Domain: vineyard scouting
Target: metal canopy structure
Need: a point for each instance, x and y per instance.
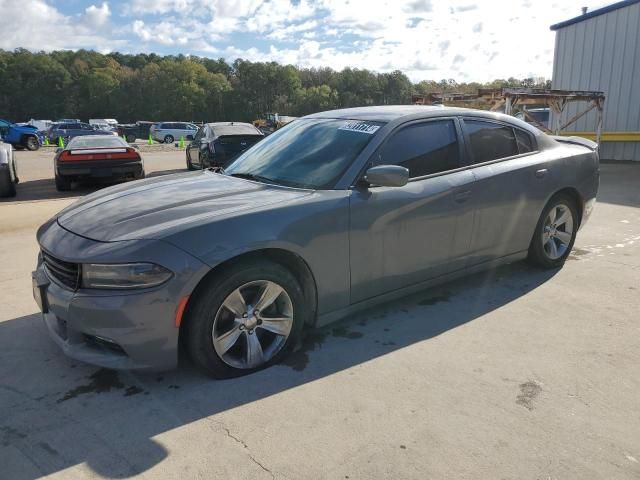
(556, 100)
(508, 98)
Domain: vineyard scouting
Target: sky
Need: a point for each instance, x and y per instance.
(465, 40)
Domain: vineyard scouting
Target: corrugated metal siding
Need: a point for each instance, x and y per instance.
(603, 53)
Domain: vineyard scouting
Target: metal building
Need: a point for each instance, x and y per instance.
(600, 50)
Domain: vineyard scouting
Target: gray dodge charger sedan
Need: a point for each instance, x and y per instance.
(337, 211)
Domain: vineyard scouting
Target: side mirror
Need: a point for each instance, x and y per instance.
(387, 176)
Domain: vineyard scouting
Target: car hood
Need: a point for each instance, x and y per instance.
(26, 128)
(154, 208)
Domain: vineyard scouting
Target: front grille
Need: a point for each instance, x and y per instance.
(66, 273)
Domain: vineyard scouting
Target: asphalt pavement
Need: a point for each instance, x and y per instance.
(513, 374)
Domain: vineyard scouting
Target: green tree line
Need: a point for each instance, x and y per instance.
(87, 84)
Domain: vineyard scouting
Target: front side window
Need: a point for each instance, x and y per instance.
(308, 153)
(423, 148)
(490, 141)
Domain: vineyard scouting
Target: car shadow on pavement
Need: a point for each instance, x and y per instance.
(56, 413)
(45, 189)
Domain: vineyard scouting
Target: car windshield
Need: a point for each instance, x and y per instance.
(96, 141)
(307, 153)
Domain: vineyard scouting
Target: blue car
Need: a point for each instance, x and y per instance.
(20, 136)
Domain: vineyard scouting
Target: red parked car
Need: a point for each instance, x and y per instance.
(96, 157)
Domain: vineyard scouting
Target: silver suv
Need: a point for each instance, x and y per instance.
(167, 132)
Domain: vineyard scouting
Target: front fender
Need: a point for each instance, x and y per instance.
(316, 229)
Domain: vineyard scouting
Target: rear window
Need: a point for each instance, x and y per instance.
(239, 139)
(97, 141)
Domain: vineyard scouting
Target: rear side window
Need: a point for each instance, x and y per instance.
(200, 134)
(490, 141)
(423, 148)
(525, 143)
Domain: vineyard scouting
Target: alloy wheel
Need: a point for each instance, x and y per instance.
(252, 324)
(557, 232)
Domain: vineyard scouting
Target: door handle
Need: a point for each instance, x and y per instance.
(463, 196)
(541, 173)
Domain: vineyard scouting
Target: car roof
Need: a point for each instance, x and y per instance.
(391, 113)
(233, 128)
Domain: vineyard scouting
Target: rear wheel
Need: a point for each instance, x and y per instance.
(189, 164)
(555, 233)
(32, 143)
(7, 187)
(245, 319)
(168, 139)
(131, 138)
(62, 184)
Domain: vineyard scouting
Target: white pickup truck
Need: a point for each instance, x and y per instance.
(8, 171)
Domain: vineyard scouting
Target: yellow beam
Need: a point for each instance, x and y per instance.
(607, 136)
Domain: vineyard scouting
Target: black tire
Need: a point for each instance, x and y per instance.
(168, 139)
(189, 164)
(131, 138)
(7, 187)
(32, 143)
(62, 184)
(538, 255)
(204, 161)
(208, 299)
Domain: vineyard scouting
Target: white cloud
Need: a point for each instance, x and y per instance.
(462, 39)
(98, 16)
(36, 25)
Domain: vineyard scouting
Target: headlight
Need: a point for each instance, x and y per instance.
(123, 276)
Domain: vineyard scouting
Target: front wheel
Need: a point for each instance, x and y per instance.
(245, 319)
(131, 138)
(555, 233)
(32, 144)
(168, 139)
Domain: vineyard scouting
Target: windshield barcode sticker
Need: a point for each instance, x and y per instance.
(360, 127)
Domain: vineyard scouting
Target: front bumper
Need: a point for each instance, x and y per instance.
(132, 329)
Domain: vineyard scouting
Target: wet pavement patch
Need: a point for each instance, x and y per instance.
(10, 435)
(299, 358)
(577, 253)
(342, 332)
(436, 298)
(132, 390)
(101, 381)
(528, 392)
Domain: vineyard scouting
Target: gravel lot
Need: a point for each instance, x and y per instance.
(513, 374)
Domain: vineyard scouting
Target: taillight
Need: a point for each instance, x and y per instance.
(99, 154)
(212, 148)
